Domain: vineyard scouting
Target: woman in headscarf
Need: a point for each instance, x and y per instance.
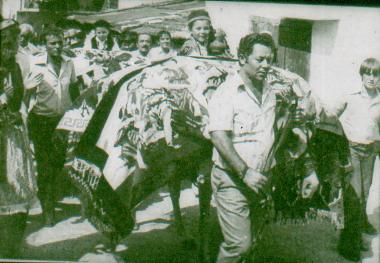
(17, 184)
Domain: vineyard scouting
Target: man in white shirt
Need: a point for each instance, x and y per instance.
(26, 49)
(241, 124)
(144, 45)
(359, 115)
(55, 88)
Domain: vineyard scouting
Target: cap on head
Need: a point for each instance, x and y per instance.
(198, 15)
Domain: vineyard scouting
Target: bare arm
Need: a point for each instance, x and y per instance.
(223, 143)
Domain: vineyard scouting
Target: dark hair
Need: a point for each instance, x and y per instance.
(370, 65)
(102, 23)
(246, 44)
(164, 32)
(68, 23)
(52, 31)
(131, 34)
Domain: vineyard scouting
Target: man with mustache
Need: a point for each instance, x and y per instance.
(241, 124)
(55, 88)
(144, 45)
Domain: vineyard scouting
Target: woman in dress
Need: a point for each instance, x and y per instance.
(17, 184)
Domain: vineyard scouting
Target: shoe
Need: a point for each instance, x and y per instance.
(349, 246)
(369, 229)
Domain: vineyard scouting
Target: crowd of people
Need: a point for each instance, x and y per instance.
(43, 75)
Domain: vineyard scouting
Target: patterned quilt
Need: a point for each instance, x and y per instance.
(114, 122)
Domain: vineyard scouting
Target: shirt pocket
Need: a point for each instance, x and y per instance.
(245, 122)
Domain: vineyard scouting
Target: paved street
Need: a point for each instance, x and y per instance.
(154, 238)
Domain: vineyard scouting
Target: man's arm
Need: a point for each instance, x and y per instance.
(223, 143)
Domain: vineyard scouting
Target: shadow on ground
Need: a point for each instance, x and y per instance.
(315, 241)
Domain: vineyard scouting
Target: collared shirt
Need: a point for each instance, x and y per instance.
(235, 108)
(23, 57)
(29, 49)
(193, 48)
(359, 115)
(92, 42)
(52, 95)
(157, 53)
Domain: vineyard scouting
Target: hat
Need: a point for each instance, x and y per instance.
(198, 15)
(7, 23)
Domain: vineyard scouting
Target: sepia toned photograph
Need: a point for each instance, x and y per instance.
(189, 131)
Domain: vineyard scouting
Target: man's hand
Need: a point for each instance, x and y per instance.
(254, 180)
(310, 185)
(33, 81)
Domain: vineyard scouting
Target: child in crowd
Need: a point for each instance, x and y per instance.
(128, 41)
(359, 115)
(200, 27)
(103, 39)
(219, 46)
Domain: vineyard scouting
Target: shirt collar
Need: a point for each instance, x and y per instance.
(42, 59)
(363, 92)
(245, 85)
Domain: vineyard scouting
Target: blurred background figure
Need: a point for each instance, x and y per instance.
(17, 184)
(199, 24)
(26, 39)
(165, 48)
(219, 46)
(103, 39)
(144, 45)
(73, 34)
(128, 40)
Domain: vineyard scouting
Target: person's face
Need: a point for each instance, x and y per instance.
(257, 64)
(8, 49)
(101, 33)
(144, 43)
(24, 38)
(201, 30)
(165, 41)
(54, 45)
(371, 80)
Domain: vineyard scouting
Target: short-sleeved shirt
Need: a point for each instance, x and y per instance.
(235, 108)
(52, 95)
(360, 117)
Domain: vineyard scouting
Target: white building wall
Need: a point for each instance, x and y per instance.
(9, 8)
(133, 3)
(357, 36)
